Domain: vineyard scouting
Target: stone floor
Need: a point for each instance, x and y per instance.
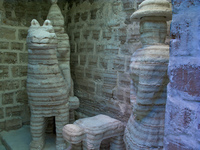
(21, 138)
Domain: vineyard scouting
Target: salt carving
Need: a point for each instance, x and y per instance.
(148, 71)
(46, 86)
(88, 133)
(63, 52)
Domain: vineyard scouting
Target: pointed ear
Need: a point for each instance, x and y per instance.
(47, 23)
(34, 22)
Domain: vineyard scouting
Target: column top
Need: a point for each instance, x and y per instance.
(153, 8)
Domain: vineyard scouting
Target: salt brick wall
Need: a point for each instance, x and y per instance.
(182, 124)
(102, 41)
(15, 17)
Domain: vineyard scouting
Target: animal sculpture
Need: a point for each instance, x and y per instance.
(47, 90)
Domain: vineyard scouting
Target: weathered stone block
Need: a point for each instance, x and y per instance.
(128, 5)
(7, 98)
(124, 80)
(93, 13)
(7, 33)
(76, 36)
(134, 38)
(95, 34)
(22, 97)
(107, 91)
(1, 57)
(1, 87)
(73, 48)
(82, 47)
(23, 83)
(2, 125)
(90, 47)
(23, 57)
(118, 64)
(184, 78)
(110, 78)
(13, 123)
(88, 72)
(13, 111)
(4, 72)
(83, 59)
(107, 34)
(19, 71)
(11, 84)
(120, 94)
(91, 87)
(84, 16)
(76, 18)
(100, 48)
(86, 34)
(98, 76)
(92, 61)
(22, 34)
(79, 73)
(69, 19)
(10, 58)
(111, 49)
(17, 46)
(1, 113)
(128, 62)
(103, 62)
(74, 59)
(4, 45)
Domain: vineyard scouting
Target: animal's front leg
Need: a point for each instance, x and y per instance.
(61, 120)
(38, 132)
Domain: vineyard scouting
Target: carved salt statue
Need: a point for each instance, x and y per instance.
(148, 71)
(45, 84)
(89, 133)
(63, 52)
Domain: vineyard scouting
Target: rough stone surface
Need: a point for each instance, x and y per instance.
(102, 40)
(182, 123)
(47, 90)
(96, 29)
(148, 71)
(93, 130)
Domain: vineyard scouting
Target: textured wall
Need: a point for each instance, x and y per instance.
(14, 17)
(102, 40)
(182, 124)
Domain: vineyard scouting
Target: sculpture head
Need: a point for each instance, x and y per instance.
(41, 36)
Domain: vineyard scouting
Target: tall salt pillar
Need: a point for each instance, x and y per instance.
(148, 71)
(63, 50)
(63, 53)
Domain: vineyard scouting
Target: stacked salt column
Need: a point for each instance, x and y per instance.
(148, 71)
(63, 53)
